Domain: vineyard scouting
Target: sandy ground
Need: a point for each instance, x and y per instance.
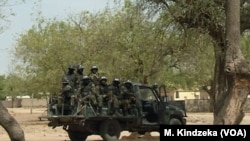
(36, 130)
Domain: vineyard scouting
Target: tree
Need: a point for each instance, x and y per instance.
(10, 125)
(147, 49)
(2, 84)
(236, 69)
(6, 120)
(230, 82)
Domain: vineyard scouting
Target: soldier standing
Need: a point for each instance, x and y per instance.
(79, 74)
(94, 74)
(67, 93)
(71, 76)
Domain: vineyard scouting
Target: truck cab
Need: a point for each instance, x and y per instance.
(157, 109)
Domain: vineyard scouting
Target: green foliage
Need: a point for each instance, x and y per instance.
(245, 42)
(2, 85)
(124, 42)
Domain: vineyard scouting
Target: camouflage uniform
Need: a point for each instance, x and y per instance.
(94, 75)
(116, 95)
(79, 74)
(128, 97)
(104, 94)
(87, 91)
(71, 76)
(67, 99)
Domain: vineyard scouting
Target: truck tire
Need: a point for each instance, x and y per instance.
(175, 121)
(110, 130)
(77, 136)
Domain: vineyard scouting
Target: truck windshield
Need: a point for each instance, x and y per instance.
(147, 94)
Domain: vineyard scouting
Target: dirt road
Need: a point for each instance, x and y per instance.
(36, 130)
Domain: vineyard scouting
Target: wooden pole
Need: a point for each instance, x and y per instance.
(31, 107)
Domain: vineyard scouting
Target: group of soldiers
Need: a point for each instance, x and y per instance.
(79, 89)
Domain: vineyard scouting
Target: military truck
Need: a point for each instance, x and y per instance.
(154, 111)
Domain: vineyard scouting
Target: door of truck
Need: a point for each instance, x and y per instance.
(149, 104)
(162, 93)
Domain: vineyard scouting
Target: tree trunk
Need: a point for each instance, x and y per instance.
(11, 126)
(232, 84)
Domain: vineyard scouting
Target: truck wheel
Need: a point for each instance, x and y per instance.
(77, 136)
(175, 121)
(110, 130)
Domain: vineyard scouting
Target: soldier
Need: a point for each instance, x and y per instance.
(67, 93)
(71, 76)
(116, 96)
(94, 75)
(87, 92)
(79, 74)
(104, 94)
(128, 99)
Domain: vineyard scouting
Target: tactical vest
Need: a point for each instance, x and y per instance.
(116, 90)
(86, 90)
(103, 89)
(94, 78)
(67, 91)
(72, 79)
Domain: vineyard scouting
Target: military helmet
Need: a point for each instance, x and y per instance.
(94, 67)
(72, 67)
(85, 77)
(103, 78)
(116, 80)
(128, 82)
(79, 67)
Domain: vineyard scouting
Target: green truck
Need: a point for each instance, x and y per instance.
(153, 105)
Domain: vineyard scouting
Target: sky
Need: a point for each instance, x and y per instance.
(24, 19)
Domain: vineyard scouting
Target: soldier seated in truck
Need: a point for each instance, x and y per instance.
(66, 98)
(128, 102)
(115, 87)
(86, 94)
